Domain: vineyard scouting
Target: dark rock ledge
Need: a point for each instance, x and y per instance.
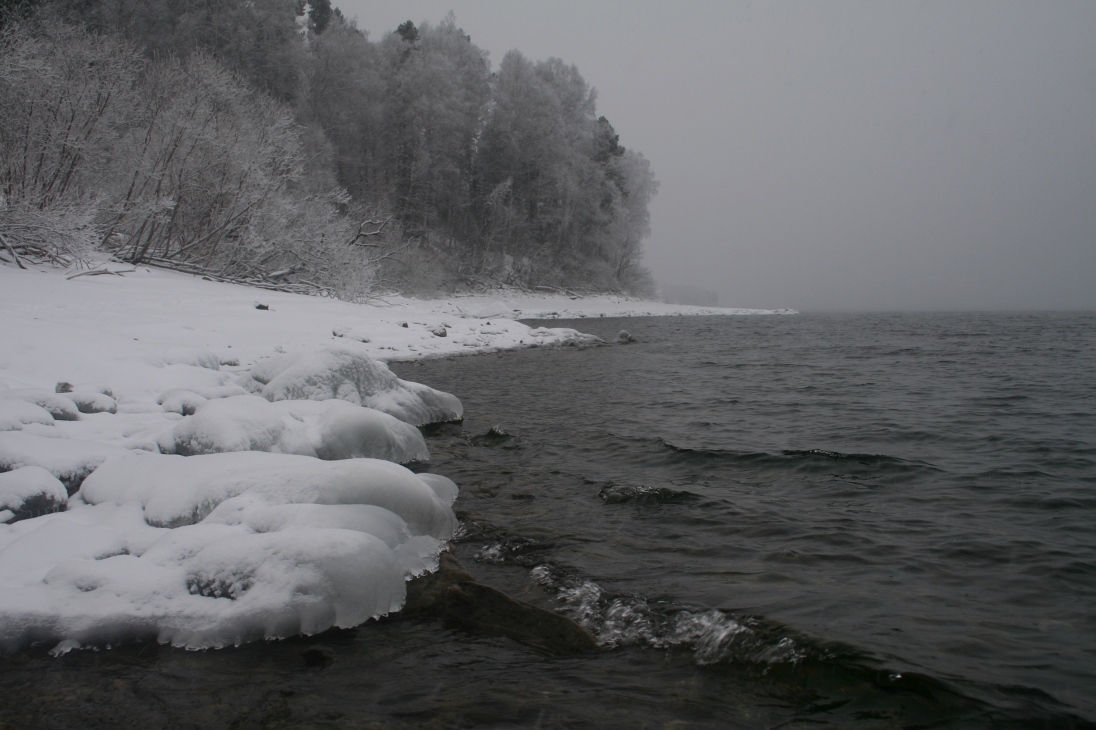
(452, 594)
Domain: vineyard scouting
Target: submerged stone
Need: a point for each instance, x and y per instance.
(453, 595)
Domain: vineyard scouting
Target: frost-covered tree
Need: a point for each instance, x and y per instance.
(437, 89)
(237, 110)
(64, 93)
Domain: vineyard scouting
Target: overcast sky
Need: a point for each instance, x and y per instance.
(837, 155)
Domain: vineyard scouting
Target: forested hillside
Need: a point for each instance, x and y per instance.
(275, 142)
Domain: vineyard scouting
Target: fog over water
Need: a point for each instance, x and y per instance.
(838, 155)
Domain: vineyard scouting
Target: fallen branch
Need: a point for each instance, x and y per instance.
(98, 272)
(568, 292)
(11, 250)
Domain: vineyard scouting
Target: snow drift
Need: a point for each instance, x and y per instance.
(351, 375)
(213, 550)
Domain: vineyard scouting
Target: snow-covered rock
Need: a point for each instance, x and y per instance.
(69, 460)
(342, 430)
(30, 491)
(61, 407)
(176, 490)
(207, 551)
(330, 430)
(90, 401)
(240, 423)
(14, 414)
(348, 374)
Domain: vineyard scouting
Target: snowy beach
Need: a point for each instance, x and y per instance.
(207, 464)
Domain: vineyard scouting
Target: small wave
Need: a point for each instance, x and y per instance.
(705, 453)
(797, 458)
(613, 493)
(881, 459)
(714, 636)
(517, 550)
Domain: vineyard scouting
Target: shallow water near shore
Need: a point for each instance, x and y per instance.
(838, 520)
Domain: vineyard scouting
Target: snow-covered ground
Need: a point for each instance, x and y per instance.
(206, 464)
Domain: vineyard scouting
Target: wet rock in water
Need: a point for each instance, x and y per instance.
(625, 338)
(495, 436)
(318, 656)
(453, 595)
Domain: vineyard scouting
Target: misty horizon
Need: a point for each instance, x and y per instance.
(838, 156)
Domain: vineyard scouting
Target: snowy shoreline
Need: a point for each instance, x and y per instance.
(206, 463)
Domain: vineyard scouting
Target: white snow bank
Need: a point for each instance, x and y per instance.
(350, 375)
(332, 429)
(176, 490)
(224, 546)
(341, 430)
(506, 303)
(207, 551)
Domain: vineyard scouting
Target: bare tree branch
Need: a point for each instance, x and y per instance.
(366, 234)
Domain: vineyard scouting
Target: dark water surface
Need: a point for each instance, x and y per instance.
(840, 521)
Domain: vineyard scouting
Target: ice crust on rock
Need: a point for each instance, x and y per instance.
(342, 430)
(208, 551)
(240, 423)
(329, 430)
(351, 375)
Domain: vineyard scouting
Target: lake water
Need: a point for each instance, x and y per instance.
(795, 496)
(864, 521)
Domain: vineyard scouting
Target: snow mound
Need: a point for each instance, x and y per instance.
(175, 490)
(350, 375)
(187, 400)
(329, 430)
(181, 401)
(342, 430)
(241, 423)
(69, 460)
(189, 356)
(30, 491)
(59, 406)
(93, 402)
(208, 551)
(14, 414)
